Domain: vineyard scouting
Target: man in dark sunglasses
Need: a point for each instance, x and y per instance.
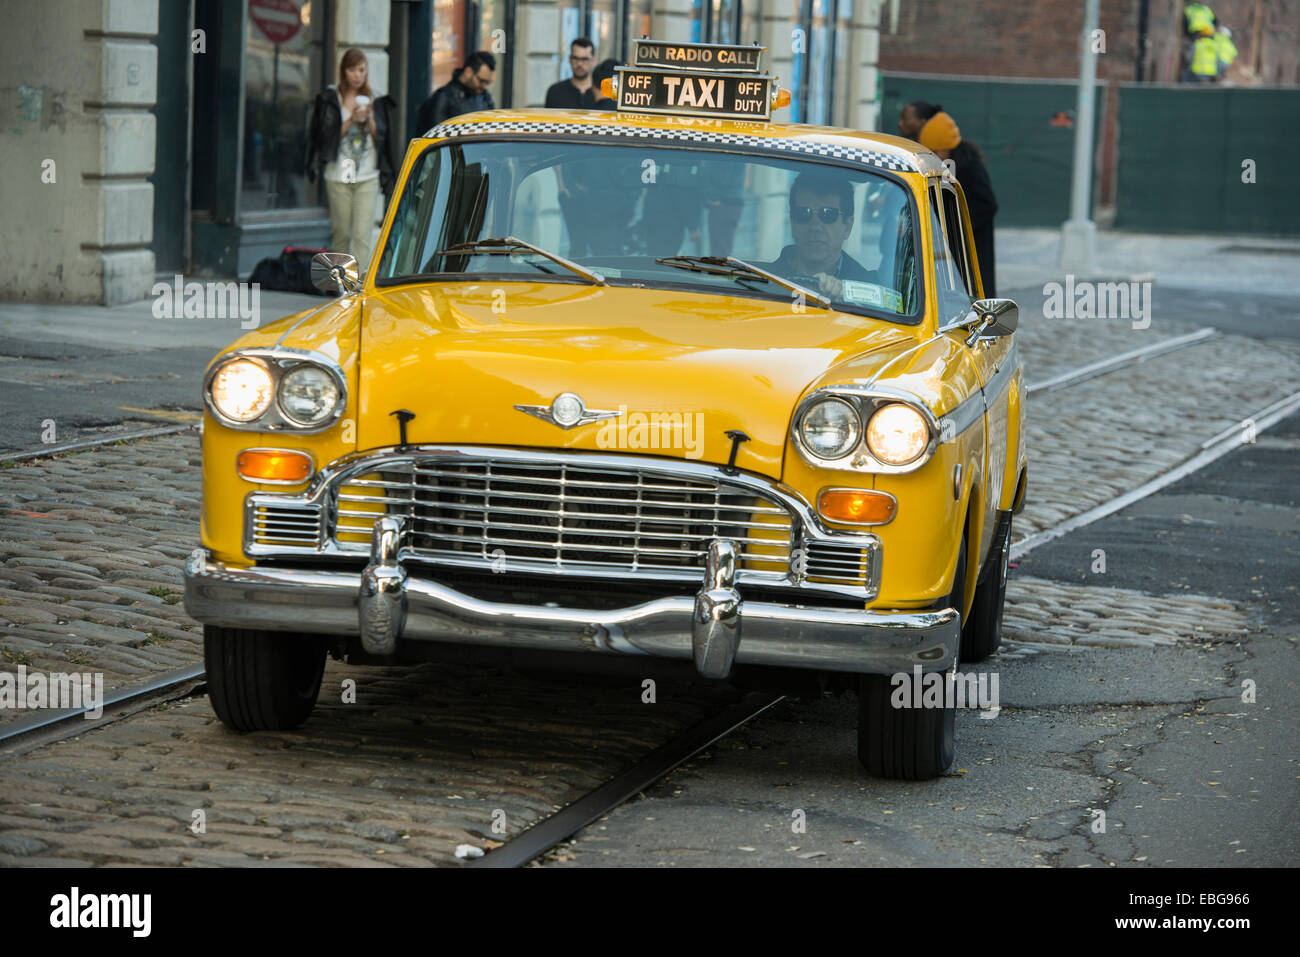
(821, 219)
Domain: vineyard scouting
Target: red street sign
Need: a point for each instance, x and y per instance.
(279, 20)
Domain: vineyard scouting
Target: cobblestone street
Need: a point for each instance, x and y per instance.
(91, 548)
(90, 566)
(426, 760)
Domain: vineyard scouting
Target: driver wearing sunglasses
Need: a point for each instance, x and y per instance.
(821, 218)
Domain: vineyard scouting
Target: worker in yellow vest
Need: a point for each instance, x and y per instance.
(1200, 50)
(1225, 49)
(1198, 20)
(1205, 60)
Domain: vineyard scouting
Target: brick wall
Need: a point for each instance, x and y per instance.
(1034, 38)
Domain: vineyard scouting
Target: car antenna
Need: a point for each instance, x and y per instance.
(403, 416)
(736, 437)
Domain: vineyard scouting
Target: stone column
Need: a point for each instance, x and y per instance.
(776, 31)
(78, 144)
(364, 24)
(863, 75)
(671, 20)
(537, 53)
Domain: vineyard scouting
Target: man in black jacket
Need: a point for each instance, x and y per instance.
(467, 92)
(934, 129)
(578, 92)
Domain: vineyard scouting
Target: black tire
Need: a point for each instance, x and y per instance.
(262, 680)
(981, 632)
(911, 744)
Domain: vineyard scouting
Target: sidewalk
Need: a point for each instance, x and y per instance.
(73, 373)
(1263, 265)
(45, 331)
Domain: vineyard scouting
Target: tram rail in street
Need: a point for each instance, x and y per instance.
(548, 833)
(59, 724)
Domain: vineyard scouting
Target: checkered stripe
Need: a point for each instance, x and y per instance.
(811, 147)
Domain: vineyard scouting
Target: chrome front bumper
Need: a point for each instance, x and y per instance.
(384, 605)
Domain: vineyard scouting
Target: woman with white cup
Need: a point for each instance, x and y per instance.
(350, 144)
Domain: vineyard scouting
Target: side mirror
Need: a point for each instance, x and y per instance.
(334, 271)
(991, 319)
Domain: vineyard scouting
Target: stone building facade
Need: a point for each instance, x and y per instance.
(144, 138)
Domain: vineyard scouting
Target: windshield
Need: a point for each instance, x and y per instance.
(844, 234)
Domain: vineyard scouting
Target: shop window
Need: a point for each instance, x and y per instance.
(601, 21)
(448, 40)
(494, 16)
(284, 70)
(638, 25)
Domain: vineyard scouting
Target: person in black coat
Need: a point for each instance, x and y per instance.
(581, 91)
(467, 92)
(324, 133)
(352, 149)
(934, 129)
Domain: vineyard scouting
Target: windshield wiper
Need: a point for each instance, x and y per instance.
(731, 266)
(510, 244)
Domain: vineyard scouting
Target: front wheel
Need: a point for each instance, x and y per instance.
(911, 743)
(981, 632)
(262, 680)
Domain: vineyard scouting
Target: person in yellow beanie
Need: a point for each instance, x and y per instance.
(934, 129)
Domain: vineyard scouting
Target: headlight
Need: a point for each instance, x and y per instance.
(242, 390)
(830, 428)
(897, 434)
(308, 395)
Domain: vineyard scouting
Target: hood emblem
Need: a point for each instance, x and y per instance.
(567, 411)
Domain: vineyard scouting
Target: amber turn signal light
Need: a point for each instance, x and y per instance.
(274, 465)
(782, 98)
(856, 506)
(607, 88)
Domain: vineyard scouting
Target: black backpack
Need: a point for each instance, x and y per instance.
(289, 272)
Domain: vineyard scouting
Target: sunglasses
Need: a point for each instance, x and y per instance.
(802, 215)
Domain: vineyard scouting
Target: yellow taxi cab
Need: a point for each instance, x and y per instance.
(673, 380)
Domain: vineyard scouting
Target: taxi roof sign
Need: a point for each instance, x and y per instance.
(697, 56)
(696, 79)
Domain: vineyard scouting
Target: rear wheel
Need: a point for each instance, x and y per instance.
(914, 743)
(981, 631)
(262, 680)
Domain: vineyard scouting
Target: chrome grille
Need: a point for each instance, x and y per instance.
(831, 562)
(563, 517)
(285, 525)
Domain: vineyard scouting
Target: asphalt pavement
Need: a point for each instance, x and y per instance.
(96, 371)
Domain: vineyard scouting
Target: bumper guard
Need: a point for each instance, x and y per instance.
(717, 628)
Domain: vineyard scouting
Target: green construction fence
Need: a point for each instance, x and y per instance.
(1184, 152)
(1024, 127)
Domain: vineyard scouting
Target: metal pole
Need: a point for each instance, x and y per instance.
(275, 128)
(1144, 10)
(1079, 232)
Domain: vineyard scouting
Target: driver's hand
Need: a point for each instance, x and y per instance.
(829, 285)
